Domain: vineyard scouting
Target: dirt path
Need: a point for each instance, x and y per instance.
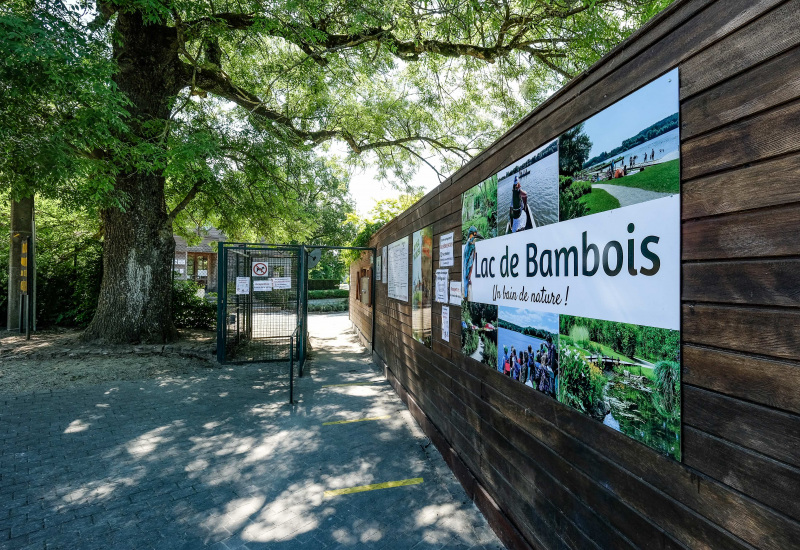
(629, 195)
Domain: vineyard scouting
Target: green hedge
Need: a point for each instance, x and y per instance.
(336, 307)
(334, 293)
(323, 284)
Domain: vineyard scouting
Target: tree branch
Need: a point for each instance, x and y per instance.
(185, 201)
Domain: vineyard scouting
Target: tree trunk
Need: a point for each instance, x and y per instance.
(135, 303)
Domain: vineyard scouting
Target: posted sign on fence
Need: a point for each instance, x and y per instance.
(571, 267)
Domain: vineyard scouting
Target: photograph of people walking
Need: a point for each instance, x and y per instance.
(527, 343)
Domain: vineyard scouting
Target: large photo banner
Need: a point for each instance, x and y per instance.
(571, 268)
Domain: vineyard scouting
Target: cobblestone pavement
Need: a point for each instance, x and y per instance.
(220, 460)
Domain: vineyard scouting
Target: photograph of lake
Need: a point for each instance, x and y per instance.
(626, 154)
(535, 202)
(626, 376)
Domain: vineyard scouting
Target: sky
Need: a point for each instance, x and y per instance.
(528, 318)
(626, 118)
(366, 189)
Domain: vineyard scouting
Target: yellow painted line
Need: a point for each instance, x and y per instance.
(356, 420)
(374, 486)
(353, 384)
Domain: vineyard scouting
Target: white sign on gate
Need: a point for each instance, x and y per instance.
(242, 285)
(282, 283)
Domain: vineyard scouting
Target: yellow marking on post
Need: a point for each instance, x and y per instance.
(352, 384)
(374, 486)
(356, 420)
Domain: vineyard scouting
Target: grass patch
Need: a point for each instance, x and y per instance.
(599, 201)
(663, 178)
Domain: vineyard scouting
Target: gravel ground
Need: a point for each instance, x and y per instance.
(53, 360)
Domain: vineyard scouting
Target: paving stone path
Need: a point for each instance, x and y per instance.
(221, 460)
(629, 195)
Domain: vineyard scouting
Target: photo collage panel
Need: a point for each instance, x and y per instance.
(626, 376)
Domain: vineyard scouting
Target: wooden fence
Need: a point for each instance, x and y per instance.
(550, 477)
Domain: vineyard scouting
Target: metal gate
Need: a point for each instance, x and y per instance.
(261, 295)
(262, 305)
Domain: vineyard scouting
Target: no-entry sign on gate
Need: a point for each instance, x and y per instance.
(260, 269)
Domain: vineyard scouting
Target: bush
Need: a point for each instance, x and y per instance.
(667, 398)
(581, 383)
(469, 341)
(490, 353)
(579, 335)
(332, 293)
(188, 309)
(323, 284)
(328, 308)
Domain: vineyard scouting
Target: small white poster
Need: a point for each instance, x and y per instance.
(441, 285)
(398, 272)
(202, 273)
(378, 267)
(242, 285)
(385, 266)
(282, 283)
(260, 268)
(262, 285)
(180, 261)
(446, 250)
(455, 293)
(446, 323)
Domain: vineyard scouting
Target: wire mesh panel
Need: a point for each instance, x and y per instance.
(260, 299)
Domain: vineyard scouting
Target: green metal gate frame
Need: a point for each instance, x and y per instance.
(297, 340)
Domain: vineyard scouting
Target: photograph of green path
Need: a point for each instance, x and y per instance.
(626, 376)
(479, 331)
(627, 154)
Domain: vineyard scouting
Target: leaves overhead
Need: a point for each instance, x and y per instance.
(270, 90)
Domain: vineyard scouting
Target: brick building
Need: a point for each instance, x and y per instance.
(198, 263)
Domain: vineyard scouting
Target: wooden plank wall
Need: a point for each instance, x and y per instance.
(360, 314)
(551, 477)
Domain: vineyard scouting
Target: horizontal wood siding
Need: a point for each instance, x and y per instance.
(550, 477)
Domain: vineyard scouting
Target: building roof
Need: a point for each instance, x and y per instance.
(208, 236)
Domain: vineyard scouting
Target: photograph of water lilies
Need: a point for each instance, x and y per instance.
(624, 375)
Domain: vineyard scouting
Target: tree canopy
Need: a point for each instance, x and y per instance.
(169, 114)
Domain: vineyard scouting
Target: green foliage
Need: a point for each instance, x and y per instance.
(58, 105)
(337, 307)
(579, 335)
(382, 213)
(650, 343)
(479, 209)
(573, 149)
(190, 310)
(469, 342)
(651, 132)
(570, 192)
(580, 383)
(489, 352)
(667, 399)
(323, 284)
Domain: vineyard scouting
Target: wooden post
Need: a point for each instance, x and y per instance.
(21, 231)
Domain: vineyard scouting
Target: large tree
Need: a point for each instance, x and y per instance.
(220, 105)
